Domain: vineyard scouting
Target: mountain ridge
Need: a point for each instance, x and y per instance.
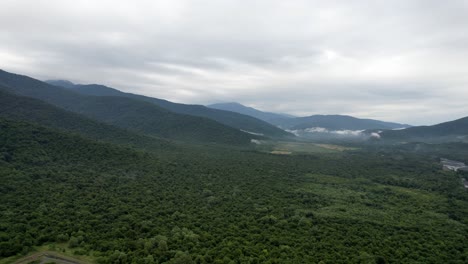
(335, 122)
(332, 122)
(453, 130)
(37, 112)
(139, 116)
(235, 120)
(242, 109)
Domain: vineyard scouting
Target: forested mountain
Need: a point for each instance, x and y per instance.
(242, 109)
(456, 130)
(236, 120)
(71, 184)
(334, 122)
(144, 174)
(126, 113)
(35, 111)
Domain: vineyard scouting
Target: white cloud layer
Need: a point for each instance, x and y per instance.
(401, 60)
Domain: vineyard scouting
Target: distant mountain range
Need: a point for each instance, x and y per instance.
(334, 122)
(242, 109)
(315, 123)
(107, 114)
(126, 113)
(232, 119)
(237, 115)
(456, 130)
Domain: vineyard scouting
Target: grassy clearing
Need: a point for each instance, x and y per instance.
(364, 200)
(281, 152)
(334, 147)
(289, 147)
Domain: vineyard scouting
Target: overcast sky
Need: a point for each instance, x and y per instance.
(404, 61)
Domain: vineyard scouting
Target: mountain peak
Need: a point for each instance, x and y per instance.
(61, 83)
(230, 103)
(245, 110)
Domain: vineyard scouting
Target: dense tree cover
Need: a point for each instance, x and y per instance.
(218, 205)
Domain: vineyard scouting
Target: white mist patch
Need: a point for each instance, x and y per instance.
(295, 132)
(255, 141)
(316, 130)
(252, 133)
(345, 132)
(375, 135)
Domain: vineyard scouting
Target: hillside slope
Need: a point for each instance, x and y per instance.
(250, 111)
(126, 113)
(116, 205)
(455, 130)
(38, 112)
(236, 120)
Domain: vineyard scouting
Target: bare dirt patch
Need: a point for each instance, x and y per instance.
(48, 257)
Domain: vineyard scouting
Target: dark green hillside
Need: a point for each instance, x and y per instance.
(149, 119)
(228, 118)
(456, 130)
(127, 113)
(35, 111)
(215, 205)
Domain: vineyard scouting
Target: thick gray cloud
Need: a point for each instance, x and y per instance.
(401, 60)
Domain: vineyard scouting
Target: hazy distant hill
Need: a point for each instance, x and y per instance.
(235, 120)
(242, 109)
(456, 130)
(61, 83)
(334, 122)
(126, 113)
